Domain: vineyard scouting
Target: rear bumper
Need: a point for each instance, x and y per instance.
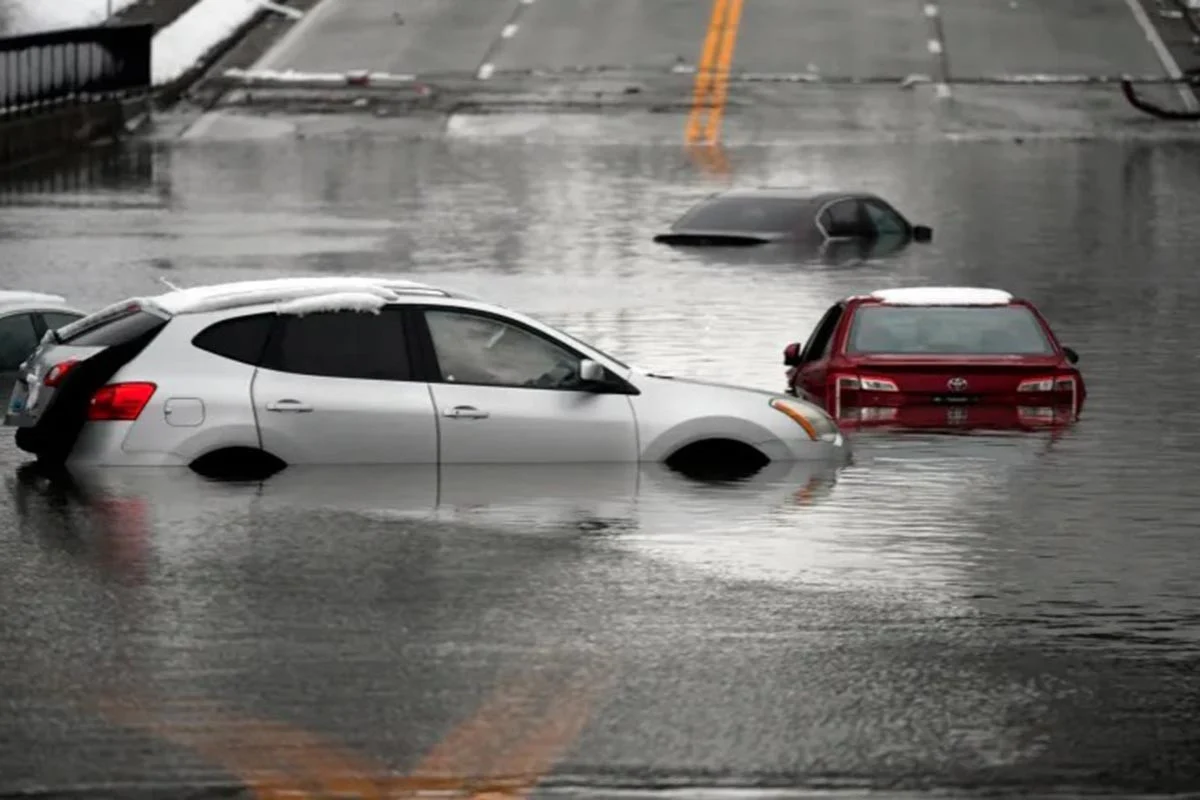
(100, 444)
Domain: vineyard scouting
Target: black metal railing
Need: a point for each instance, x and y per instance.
(79, 65)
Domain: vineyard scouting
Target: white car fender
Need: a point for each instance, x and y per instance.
(658, 444)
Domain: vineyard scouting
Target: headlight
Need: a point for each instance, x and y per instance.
(819, 426)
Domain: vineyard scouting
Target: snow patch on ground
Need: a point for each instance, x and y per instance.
(179, 46)
(32, 16)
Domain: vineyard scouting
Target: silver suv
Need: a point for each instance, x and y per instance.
(373, 371)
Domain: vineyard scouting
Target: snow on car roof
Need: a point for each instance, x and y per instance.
(280, 290)
(9, 297)
(943, 296)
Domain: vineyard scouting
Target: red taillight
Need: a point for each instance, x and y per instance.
(1053, 383)
(120, 402)
(58, 372)
(866, 383)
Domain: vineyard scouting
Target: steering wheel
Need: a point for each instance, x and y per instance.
(554, 378)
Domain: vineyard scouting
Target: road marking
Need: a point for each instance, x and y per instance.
(487, 67)
(937, 48)
(1164, 55)
(711, 87)
(291, 40)
(503, 750)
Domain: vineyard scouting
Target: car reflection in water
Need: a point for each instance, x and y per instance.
(115, 518)
(959, 418)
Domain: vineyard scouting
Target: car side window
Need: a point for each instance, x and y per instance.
(18, 338)
(57, 319)
(842, 219)
(242, 339)
(818, 345)
(482, 350)
(342, 344)
(885, 220)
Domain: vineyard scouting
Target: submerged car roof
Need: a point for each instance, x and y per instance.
(14, 299)
(786, 193)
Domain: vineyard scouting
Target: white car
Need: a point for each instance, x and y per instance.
(24, 319)
(262, 374)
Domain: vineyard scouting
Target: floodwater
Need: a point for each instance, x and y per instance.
(1008, 610)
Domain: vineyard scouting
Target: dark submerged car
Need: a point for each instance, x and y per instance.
(749, 217)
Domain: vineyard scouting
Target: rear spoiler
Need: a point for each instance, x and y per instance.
(104, 316)
(108, 314)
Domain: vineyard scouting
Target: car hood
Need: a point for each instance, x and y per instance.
(651, 375)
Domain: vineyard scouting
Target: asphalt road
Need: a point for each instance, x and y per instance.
(964, 613)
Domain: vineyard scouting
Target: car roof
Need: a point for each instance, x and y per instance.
(793, 193)
(13, 300)
(939, 296)
(310, 290)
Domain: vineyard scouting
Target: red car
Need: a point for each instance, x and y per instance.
(937, 356)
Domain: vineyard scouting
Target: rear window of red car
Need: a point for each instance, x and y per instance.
(947, 330)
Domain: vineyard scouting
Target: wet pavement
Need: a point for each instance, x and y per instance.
(964, 612)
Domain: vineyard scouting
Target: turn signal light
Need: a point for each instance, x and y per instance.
(120, 402)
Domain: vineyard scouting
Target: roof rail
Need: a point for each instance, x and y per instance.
(219, 297)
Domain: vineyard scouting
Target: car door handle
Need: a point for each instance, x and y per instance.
(465, 412)
(294, 406)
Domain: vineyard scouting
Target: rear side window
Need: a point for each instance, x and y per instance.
(242, 339)
(18, 339)
(342, 344)
(56, 319)
(118, 330)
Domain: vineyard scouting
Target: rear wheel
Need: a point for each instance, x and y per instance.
(237, 464)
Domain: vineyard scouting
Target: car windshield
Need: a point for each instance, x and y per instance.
(750, 214)
(947, 330)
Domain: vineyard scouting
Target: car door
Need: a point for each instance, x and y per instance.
(337, 388)
(506, 393)
(813, 371)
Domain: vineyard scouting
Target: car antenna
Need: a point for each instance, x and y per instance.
(168, 284)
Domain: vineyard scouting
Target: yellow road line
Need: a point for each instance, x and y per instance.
(711, 87)
(702, 86)
(712, 132)
(504, 749)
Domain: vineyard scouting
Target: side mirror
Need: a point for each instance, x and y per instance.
(1071, 355)
(791, 354)
(922, 233)
(591, 371)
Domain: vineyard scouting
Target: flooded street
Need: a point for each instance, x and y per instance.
(961, 612)
(947, 610)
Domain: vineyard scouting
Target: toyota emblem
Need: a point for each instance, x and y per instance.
(957, 384)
